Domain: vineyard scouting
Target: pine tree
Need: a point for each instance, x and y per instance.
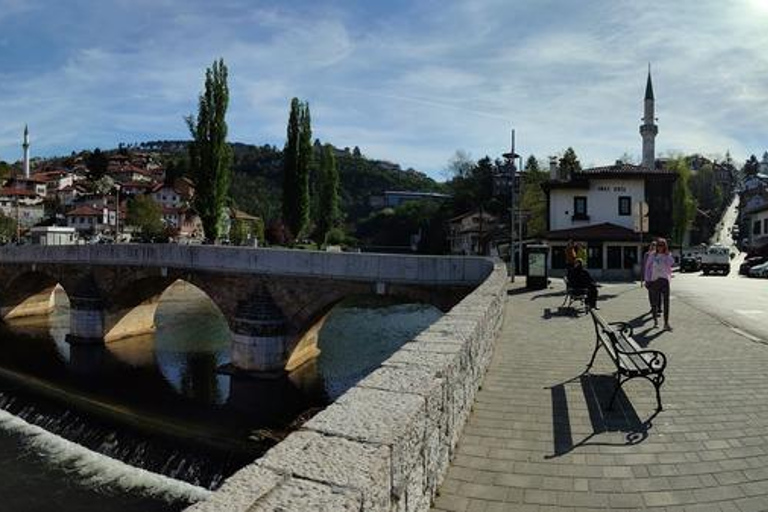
(329, 216)
(210, 157)
(569, 164)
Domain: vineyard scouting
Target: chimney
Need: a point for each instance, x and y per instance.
(553, 170)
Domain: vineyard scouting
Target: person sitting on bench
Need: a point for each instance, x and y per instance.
(580, 278)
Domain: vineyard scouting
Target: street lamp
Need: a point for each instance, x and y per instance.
(510, 157)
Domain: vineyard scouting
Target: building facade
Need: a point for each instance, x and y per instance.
(613, 211)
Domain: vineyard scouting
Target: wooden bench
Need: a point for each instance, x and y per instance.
(574, 295)
(630, 359)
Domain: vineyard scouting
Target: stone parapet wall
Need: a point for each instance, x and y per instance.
(409, 269)
(385, 445)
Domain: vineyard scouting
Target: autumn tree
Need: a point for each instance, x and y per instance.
(146, 215)
(683, 203)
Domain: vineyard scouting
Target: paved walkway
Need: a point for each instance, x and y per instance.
(538, 439)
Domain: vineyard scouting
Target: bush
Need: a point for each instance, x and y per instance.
(335, 236)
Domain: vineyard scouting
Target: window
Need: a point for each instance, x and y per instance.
(630, 257)
(625, 205)
(558, 256)
(756, 228)
(614, 257)
(580, 208)
(595, 256)
(765, 226)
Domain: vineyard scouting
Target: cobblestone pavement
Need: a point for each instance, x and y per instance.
(539, 440)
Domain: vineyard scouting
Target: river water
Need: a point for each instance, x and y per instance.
(151, 423)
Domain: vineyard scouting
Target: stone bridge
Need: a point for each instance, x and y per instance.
(275, 301)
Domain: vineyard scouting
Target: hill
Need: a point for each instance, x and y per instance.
(257, 177)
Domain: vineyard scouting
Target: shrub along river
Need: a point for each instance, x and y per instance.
(151, 423)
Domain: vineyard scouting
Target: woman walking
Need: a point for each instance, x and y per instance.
(658, 273)
(645, 278)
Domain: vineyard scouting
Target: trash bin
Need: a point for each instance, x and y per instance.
(537, 276)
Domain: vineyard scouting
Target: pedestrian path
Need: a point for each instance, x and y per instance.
(539, 439)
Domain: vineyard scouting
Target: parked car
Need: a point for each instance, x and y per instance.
(759, 270)
(751, 262)
(690, 263)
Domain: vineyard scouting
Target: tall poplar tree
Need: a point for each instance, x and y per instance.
(329, 214)
(297, 158)
(210, 157)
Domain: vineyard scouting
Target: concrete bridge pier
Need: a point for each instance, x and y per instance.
(86, 320)
(259, 335)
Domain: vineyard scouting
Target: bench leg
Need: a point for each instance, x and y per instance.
(658, 380)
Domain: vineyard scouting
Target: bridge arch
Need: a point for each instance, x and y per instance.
(28, 293)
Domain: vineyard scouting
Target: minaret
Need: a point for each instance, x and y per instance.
(25, 145)
(648, 129)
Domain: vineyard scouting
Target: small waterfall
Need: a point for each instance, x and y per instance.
(103, 455)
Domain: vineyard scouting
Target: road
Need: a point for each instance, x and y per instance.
(738, 301)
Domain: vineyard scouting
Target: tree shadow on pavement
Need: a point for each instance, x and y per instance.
(597, 391)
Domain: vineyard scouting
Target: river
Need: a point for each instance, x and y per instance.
(151, 423)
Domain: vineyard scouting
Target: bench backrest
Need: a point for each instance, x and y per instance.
(621, 349)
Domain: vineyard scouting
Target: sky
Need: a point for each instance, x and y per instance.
(412, 82)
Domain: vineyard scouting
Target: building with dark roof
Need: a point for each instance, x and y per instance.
(612, 210)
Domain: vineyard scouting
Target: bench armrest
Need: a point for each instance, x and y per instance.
(656, 360)
(624, 328)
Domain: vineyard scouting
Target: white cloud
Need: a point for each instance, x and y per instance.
(410, 86)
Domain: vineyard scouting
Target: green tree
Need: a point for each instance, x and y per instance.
(569, 164)
(5, 171)
(210, 157)
(683, 203)
(146, 215)
(329, 214)
(751, 166)
(709, 199)
(7, 228)
(97, 165)
(297, 158)
(534, 200)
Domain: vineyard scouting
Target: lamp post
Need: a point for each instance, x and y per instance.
(510, 157)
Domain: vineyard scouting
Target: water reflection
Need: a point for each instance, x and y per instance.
(167, 388)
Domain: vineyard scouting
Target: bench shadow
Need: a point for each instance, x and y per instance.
(597, 391)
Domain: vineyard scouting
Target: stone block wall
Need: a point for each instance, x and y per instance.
(385, 445)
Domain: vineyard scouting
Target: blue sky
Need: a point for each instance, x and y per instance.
(406, 81)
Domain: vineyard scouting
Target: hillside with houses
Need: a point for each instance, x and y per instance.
(142, 192)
